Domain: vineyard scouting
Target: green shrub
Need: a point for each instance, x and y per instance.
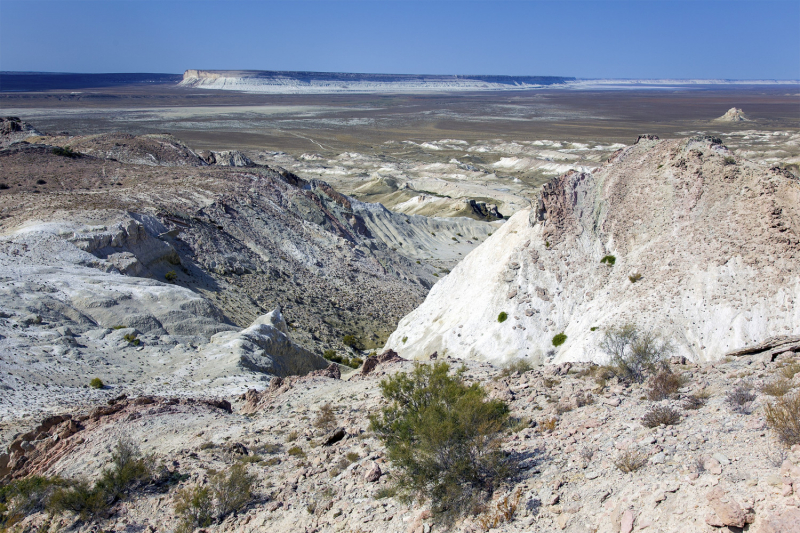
(351, 341)
(609, 260)
(66, 152)
(634, 354)
(405, 339)
(24, 497)
(730, 160)
(444, 437)
(128, 471)
(559, 339)
(352, 457)
(296, 451)
(96, 383)
(193, 506)
(593, 328)
(131, 338)
(232, 489)
(171, 276)
(502, 317)
(635, 277)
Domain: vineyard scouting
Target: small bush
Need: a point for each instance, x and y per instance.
(783, 416)
(193, 506)
(729, 160)
(351, 341)
(559, 339)
(128, 471)
(207, 445)
(634, 354)
(326, 419)
(232, 489)
(664, 384)
(740, 399)
(66, 152)
(518, 365)
(660, 415)
(502, 317)
(171, 276)
(777, 388)
(352, 457)
(96, 383)
(693, 402)
(635, 277)
(405, 339)
(630, 461)
(609, 260)
(292, 436)
(24, 497)
(131, 338)
(444, 438)
(296, 451)
(385, 492)
(593, 328)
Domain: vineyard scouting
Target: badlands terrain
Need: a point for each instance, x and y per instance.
(222, 280)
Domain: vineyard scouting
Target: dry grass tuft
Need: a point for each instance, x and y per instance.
(664, 384)
(776, 388)
(661, 416)
(630, 461)
(783, 416)
(503, 511)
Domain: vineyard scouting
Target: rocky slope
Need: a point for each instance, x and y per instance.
(148, 241)
(717, 468)
(705, 250)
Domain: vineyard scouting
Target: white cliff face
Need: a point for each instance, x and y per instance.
(714, 241)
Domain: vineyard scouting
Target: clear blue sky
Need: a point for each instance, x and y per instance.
(590, 39)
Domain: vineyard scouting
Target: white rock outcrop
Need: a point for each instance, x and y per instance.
(713, 241)
(265, 346)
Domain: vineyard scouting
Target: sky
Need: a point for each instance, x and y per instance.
(728, 39)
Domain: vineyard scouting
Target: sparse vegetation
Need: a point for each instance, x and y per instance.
(503, 511)
(296, 451)
(128, 471)
(777, 388)
(326, 418)
(171, 276)
(66, 152)
(444, 438)
(292, 436)
(740, 399)
(132, 338)
(227, 492)
(351, 341)
(96, 383)
(660, 416)
(548, 424)
(630, 461)
(23, 497)
(634, 354)
(502, 317)
(517, 365)
(559, 339)
(635, 277)
(789, 370)
(783, 417)
(694, 402)
(352, 362)
(664, 384)
(729, 160)
(404, 340)
(609, 260)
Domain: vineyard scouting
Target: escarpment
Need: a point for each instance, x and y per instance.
(677, 236)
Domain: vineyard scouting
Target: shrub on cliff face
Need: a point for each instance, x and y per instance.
(444, 438)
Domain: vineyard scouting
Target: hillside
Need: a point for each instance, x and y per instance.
(705, 251)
